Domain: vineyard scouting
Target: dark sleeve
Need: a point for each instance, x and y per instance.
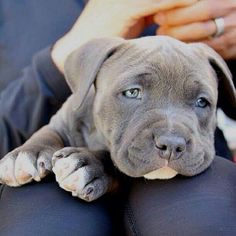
(29, 101)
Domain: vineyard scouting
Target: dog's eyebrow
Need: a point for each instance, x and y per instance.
(141, 78)
(136, 74)
(193, 88)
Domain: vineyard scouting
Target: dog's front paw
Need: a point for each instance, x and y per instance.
(78, 171)
(25, 164)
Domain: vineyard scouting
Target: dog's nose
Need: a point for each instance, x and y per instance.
(170, 147)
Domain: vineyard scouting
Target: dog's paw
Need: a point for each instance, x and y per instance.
(78, 171)
(23, 165)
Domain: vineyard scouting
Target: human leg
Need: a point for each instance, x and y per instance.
(44, 209)
(201, 205)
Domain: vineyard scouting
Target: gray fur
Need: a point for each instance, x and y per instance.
(171, 75)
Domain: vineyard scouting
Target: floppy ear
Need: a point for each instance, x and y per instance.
(226, 89)
(83, 65)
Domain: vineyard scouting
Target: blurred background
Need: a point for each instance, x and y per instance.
(228, 126)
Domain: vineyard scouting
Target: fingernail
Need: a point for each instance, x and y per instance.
(159, 18)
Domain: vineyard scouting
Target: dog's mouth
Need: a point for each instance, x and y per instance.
(153, 166)
(171, 168)
(158, 150)
(164, 172)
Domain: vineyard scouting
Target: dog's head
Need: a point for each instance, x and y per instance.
(155, 101)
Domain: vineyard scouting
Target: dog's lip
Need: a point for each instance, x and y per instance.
(164, 172)
(160, 166)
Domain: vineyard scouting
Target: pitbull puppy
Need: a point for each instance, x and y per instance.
(149, 102)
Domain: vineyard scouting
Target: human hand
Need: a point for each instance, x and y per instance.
(196, 23)
(110, 18)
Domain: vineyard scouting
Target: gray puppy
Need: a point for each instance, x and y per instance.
(149, 102)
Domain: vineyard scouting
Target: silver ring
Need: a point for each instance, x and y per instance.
(220, 27)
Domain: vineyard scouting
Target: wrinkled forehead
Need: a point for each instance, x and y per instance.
(163, 59)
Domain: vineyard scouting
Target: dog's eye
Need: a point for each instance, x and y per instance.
(132, 93)
(202, 103)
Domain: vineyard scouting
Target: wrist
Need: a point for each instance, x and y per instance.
(73, 40)
(91, 24)
(60, 51)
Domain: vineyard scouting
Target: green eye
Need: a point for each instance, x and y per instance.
(134, 93)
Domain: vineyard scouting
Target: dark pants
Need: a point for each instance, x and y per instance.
(201, 205)
(43, 209)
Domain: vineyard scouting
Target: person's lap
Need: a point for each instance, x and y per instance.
(202, 205)
(44, 209)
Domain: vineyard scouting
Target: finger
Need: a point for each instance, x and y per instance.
(230, 22)
(200, 30)
(153, 6)
(200, 11)
(222, 42)
(229, 54)
(224, 45)
(170, 4)
(217, 44)
(191, 32)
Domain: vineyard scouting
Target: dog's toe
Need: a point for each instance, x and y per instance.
(22, 166)
(95, 189)
(78, 171)
(7, 175)
(25, 169)
(64, 167)
(63, 153)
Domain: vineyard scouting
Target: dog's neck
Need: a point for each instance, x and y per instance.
(93, 139)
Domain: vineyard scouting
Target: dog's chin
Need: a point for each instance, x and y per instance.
(195, 165)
